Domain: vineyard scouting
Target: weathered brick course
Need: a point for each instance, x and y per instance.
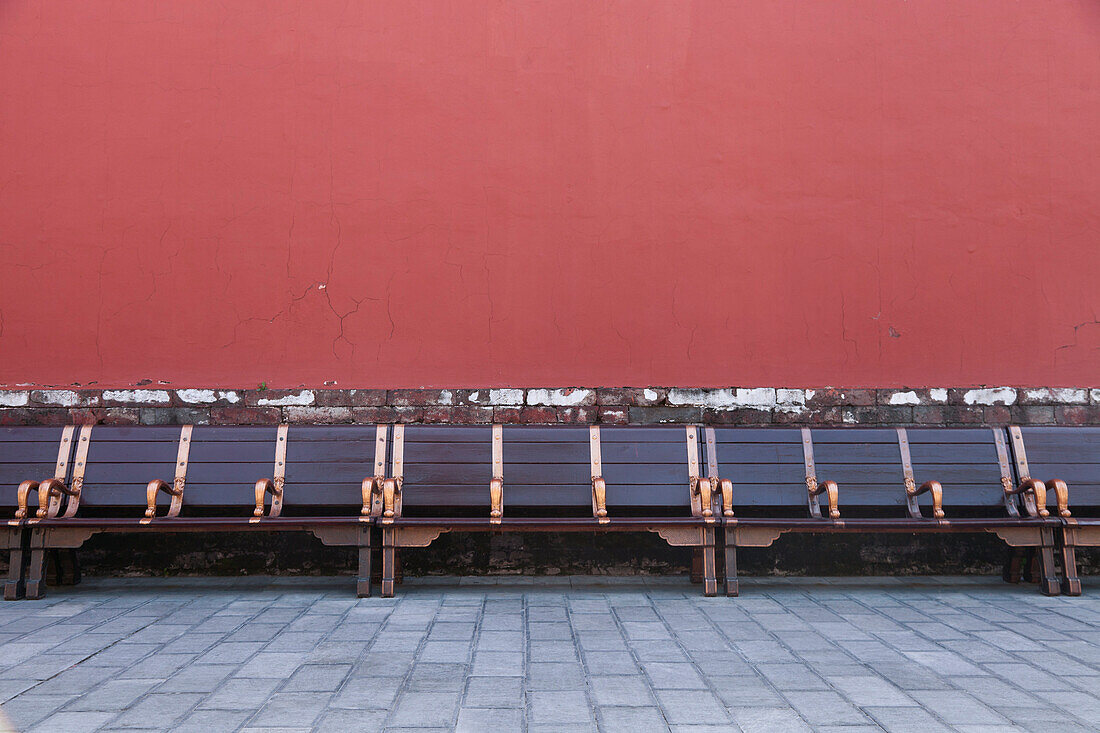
(997, 405)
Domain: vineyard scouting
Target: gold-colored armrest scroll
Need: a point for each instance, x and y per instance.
(1061, 495)
(599, 486)
(274, 485)
(372, 485)
(935, 488)
(831, 490)
(496, 484)
(175, 489)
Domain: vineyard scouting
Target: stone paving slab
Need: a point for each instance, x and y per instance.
(551, 654)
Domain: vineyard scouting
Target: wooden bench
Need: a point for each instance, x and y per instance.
(1067, 462)
(872, 480)
(546, 479)
(189, 479)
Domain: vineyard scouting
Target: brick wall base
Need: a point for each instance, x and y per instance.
(148, 405)
(472, 554)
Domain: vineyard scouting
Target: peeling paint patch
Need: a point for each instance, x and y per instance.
(757, 398)
(939, 395)
(136, 395)
(305, 397)
(990, 396)
(474, 396)
(1065, 396)
(1094, 395)
(61, 397)
(197, 396)
(560, 397)
(651, 394)
(445, 397)
(14, 399)
(790, 397)
(506, 397)
(904, 398)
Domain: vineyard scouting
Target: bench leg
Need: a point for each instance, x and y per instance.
(388, 560)
(362, 585)
(710, 582)
(731, 566)
(1048, 581)
(1014, 564)
(1071, 583)
(68, 566)
(15, 587)
(696, 565)
(36, 584)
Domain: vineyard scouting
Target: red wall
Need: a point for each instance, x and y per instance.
(474, 193)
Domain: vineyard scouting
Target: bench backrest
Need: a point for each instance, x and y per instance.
(767, 466)
(325, 465)
(1069, 454)
(545, 466)
(30, 454)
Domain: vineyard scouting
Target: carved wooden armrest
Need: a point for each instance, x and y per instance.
(263, 487)
(701, 487)
(599, 499)
(391, 498)
(372, 490)
(50, 492)
(1061, 494)
(1034, 493)
(935, 488)
(726, 487)
(174, 490)
(831, 491)
(496, 500)
(23, 496)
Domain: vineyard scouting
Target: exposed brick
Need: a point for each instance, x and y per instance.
(121, 416)
(173, 416)
(374, 415)
(460, 415)
(1033, 414)
(831, 396)
(245, 415)
(408, 414)
(967, 414)
(631, 396)
(992, 414)
(1077, 415)
(884, 415)
(349, 397)
(537, 415)
(646, 415)
(583, 415)
(33, 416)
(736, 417)
(930, 414)
(420, 397)
(614, 415)
(318, 415)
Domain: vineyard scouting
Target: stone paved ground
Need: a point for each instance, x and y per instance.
(552, 654)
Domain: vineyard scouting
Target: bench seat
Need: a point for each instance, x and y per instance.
(830, 480)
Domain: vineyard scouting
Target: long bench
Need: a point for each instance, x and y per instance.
(547, 479)
(693, 486)
(872, 480)
(1067, 461)
(152, 480)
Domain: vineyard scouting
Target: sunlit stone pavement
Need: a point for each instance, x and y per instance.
(552, 654)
